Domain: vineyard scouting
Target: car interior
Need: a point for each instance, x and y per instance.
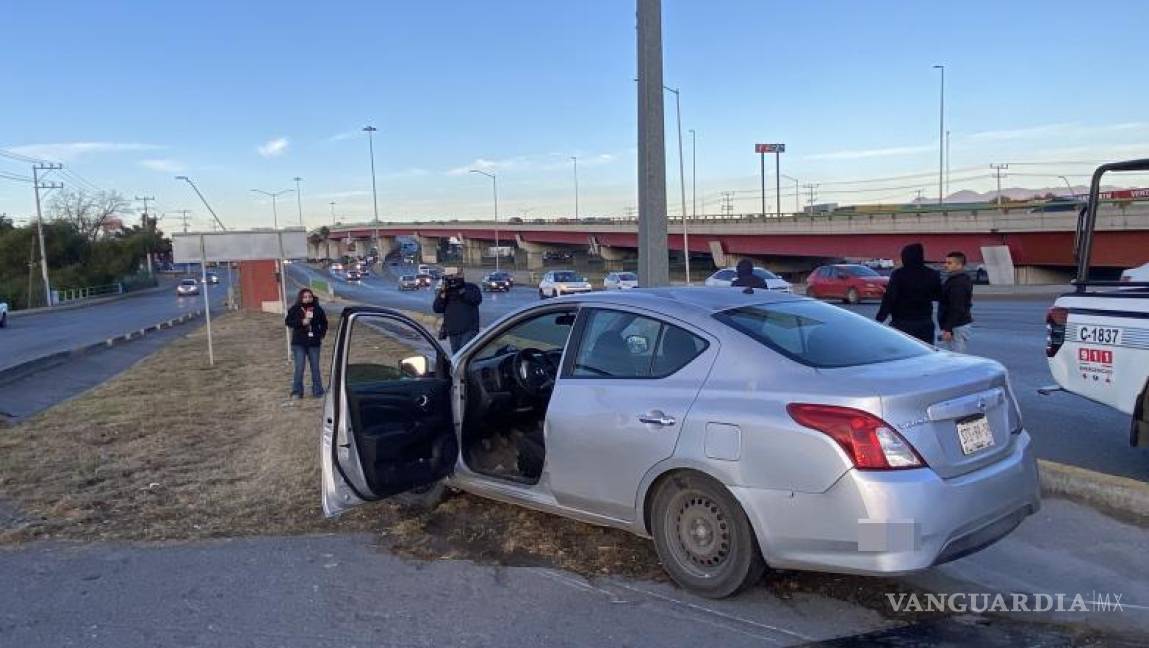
(508, 385)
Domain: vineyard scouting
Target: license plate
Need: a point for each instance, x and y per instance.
(1099, 334)
(974, 434)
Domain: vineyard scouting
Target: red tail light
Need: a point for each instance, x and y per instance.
(870, 442)
(1055, 320)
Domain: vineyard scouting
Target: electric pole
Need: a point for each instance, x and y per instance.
(299, 198)
(998, 168)
(811, 188)
(37, 185)
(147, 229)
(653, 263)
(183, 216)
(332, 203)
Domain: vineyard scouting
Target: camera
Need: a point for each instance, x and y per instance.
(453, 282)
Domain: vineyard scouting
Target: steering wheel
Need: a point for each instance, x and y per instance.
(534, 371)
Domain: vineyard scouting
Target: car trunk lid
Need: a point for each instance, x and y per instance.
(927, 398)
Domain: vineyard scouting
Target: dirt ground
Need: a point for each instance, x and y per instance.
(175, 450)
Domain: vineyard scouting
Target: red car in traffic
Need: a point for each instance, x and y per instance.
(849, 282)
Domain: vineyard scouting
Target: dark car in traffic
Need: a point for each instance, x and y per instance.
(498, 282)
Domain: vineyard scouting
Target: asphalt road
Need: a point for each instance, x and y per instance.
(1066, 428)
(346, 590)
(32, 336)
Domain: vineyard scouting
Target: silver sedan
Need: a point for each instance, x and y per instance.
(737, 430)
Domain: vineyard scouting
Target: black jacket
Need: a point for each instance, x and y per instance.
(956, 301)
(460, 308)
(912, 289)
(746, 277)
(299, 332)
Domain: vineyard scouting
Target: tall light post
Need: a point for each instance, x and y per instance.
(217, 222)
(574, 158)
(693, 174)
(797, 194)
(279, 262)
(332, 203)
(273, 196)
(495, 189)
(299, 198)
(370, 130)
(941, 134)
(681, 180)
(1069, 186)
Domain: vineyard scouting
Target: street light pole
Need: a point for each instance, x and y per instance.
(682, 181)
(273, 196)
(693, 174)
(797, 194)
(279, 266)
(370, 130)
(299, 199)
(1069, 186)
(575, 160)
(332, 203)
(495, 190)
(941, 134)
(204, 201)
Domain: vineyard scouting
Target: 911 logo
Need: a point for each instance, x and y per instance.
(1100, 356)
(1095, 365)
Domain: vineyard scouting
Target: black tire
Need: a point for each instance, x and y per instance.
(4, 320)
(541, 295)
(717, 555)
(852, 296)
(424, 498)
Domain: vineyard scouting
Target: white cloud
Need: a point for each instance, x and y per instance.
(356, 193)
(346, 135)
(163, 165)
(68, 151)
(872, 153)
(1044, 130)
(273, 148)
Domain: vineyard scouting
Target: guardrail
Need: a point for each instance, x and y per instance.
(69, 295)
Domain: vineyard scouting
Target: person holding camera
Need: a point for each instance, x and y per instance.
(458, 301)
(308, 324)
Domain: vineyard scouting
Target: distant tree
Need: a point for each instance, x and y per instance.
(87, 211)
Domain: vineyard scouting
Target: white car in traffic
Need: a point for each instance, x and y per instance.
(563, 282)
(723, 278)
(3, 314)
(1140, 273)
(620, 281)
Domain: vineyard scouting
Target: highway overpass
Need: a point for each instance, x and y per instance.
(1040, 242)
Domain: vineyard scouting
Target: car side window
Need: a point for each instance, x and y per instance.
(547, 332)
(617, 344)
(726, 275)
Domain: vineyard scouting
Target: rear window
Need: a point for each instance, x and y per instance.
(821, 335)
(627, 276)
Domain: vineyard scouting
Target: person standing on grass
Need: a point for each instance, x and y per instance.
(954, 318)
(910, 295)
(308, 324)
(458, 302)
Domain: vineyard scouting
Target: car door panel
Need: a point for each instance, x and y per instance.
(385, 430)
(604, 434)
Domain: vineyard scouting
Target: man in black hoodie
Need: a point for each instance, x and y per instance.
(911, 294)
(954, 317)
(746, 277)
(308, 324)
(458, 301)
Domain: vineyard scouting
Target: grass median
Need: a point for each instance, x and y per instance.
(173, 449)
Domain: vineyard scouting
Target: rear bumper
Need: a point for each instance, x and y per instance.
(875, 523)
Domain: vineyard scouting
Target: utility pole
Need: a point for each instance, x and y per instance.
(332, 203)
(299, 199)
(630, 212)
(574, 159)
(811, 187)
(693, 175)
(371, 130)
(947, 163)
(148, 228)
(941, 134)
(681, 180)
(999, 168)
(653, 266)
(37, 185)
(183, 216)
(218, 222)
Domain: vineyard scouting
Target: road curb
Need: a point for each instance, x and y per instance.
(18, 371)
(1121, 497)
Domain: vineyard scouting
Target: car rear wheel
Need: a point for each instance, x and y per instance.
(4, 320)
(703, 537)
(852, 296)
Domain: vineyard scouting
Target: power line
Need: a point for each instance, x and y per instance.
(19, 157)
(9, 176)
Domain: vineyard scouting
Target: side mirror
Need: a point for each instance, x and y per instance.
(637, 344)
(415, 366)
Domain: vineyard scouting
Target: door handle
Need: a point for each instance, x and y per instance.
(657, 418)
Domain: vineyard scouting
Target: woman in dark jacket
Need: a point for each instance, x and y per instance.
(910, 295)
(308, 324)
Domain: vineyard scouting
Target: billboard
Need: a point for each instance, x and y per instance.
(769, 148)
(250, 245)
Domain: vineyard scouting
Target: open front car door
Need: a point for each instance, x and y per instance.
(388, 425)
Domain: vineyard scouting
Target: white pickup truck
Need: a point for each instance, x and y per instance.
(3, 314)
(1097, 337)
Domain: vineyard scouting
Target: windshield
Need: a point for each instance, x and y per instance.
(764, 273)
(188, 282)
(861, 271)
(821, 335)
(568, 277)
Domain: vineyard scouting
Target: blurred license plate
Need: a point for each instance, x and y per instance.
(974, 434)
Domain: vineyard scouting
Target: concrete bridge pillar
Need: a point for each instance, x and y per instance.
(472, 251)
(428, 248)
(534, 252)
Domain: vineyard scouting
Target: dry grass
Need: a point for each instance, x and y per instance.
(172, 449)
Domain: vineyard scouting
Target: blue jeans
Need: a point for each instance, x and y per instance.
(302, 354)
(459, 339)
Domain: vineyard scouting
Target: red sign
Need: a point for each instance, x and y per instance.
(1100, 356)
(769, 148)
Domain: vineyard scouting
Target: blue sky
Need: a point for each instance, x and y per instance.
(249, 95)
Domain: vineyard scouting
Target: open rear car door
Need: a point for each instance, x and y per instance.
(388, 425)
